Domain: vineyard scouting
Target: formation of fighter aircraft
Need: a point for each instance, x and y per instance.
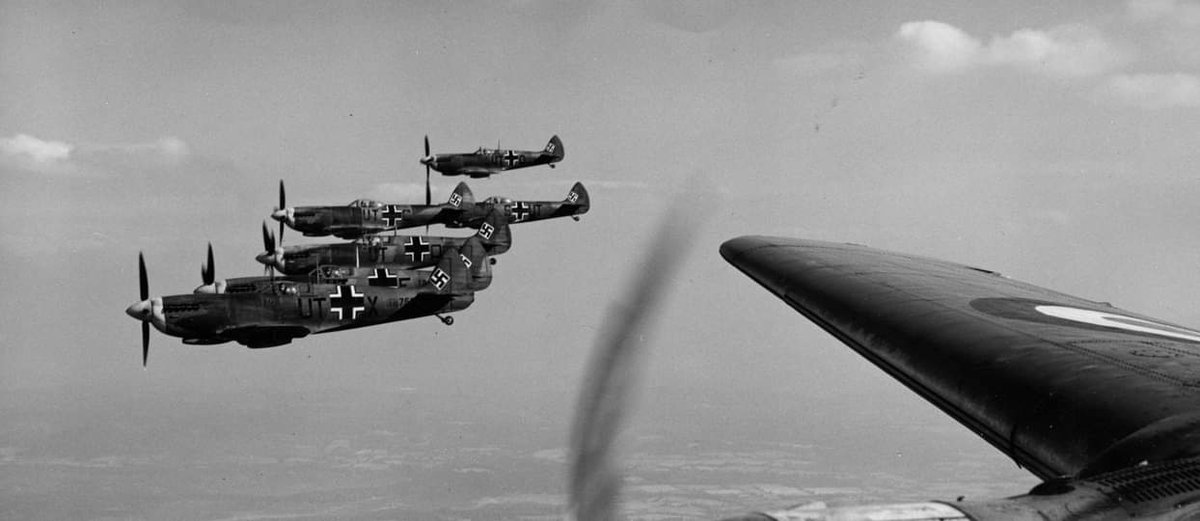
(1100, 403)
(382, 251)
(365, 217)
(377, 278)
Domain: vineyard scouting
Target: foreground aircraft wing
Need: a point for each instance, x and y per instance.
(1065, 386)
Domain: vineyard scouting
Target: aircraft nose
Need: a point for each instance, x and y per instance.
(140, 310)
(428, 160)
(270, 258)
(279, 215)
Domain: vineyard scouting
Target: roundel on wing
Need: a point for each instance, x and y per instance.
(1086, 318)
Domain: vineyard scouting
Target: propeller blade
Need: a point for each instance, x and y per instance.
(428, 193)
(268, 242)
(144, 292)
(282, 205)
(208, 270)
(145, 343)
(143, 283)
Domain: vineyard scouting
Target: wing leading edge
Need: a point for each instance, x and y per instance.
(1063, 385)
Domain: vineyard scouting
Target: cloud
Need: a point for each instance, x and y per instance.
(28, 153)
(31, 153)
(1154, 91)
(1065, 51)
(940, 47)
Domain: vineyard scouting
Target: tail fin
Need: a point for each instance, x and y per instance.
(450, 275)
(579, 196)
(555, 148)
(478, 263)
(461, 196)
(494, 232)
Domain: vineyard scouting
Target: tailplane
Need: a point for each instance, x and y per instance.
(494, 232)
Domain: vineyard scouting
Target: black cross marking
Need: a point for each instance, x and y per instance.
(512, 158)
(392, 216)
(346, 300)
(383, 277)
(416, 248)
(520, 210)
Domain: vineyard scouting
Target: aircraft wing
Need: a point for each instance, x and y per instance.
(1063, 385)
(264, 336)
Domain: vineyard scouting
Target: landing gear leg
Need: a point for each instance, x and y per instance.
(449, 321)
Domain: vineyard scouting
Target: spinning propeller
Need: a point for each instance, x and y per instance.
(272, 253)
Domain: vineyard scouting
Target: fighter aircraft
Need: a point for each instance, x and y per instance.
(261, 312)
(381, 251)
(487, 161)
(575, 204)
(365, 216)
(1101, 403)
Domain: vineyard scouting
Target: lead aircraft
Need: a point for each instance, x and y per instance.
(484, 162)
(382, 251)
(1101, 403)
(264, 311)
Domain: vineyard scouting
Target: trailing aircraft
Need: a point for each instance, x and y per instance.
(382, 251)
(364, 216)
(575, 204)
(261, 312)
(484, 162)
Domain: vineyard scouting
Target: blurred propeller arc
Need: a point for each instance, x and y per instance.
(613, 370)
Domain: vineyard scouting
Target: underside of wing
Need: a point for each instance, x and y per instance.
(1063, 385)
(256, 337)
(478, 171)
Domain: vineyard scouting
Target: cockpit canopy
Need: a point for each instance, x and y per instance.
(365, 203)
(497, 200)
(327, 272)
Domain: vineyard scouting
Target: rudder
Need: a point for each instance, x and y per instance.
(494, 233)
(555, 148)
(461, 196)
(578, 196)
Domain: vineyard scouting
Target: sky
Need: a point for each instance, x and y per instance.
(1048, 141)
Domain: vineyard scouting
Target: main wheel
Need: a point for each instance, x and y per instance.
(449, 321)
